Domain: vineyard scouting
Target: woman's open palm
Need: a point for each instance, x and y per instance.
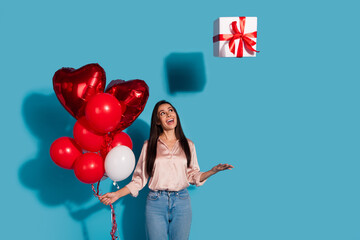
(221, 167)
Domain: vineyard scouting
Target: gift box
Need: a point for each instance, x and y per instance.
(235, 37)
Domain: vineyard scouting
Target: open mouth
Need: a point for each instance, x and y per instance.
(170, 121)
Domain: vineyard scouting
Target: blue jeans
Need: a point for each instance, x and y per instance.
(168, 215)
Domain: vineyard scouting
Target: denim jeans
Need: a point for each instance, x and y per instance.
(168, 215)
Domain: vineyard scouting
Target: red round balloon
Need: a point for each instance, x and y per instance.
(89, 168)
(121, 138)
(86, 137)
(133, 94)
(64, 151)
(74, 87)
(103, 112)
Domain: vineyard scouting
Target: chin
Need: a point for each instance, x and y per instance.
(170, 128)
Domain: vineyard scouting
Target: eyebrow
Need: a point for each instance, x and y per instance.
(163, 110)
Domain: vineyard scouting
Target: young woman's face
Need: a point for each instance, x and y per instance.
(166, 117)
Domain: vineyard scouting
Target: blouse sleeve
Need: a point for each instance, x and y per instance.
(140, 176)
(193, 171)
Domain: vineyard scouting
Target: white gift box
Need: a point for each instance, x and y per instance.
(224, 34)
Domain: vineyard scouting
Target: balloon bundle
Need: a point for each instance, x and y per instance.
(99, 145)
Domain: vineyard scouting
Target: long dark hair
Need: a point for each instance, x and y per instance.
(155, 131)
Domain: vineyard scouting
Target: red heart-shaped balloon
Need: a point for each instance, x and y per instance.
(132, 95)
(74, 87)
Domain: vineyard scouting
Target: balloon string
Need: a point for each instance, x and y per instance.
(98, 186)
(113, 216)
(114, 225)
(105, 148)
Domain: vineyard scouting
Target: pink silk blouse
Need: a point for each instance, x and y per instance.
(170, 170)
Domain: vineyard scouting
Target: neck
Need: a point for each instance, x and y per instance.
(168, 135)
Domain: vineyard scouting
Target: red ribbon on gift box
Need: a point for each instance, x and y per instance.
(238, 34)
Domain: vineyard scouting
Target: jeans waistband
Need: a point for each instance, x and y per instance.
(167, 192)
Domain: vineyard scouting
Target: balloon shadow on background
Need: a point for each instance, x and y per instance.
(47, 120)
(185, 72)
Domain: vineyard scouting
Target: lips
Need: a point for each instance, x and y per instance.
(170, 121)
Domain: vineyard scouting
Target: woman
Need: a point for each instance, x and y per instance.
(169, 159)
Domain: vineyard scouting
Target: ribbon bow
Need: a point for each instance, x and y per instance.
(238, 34)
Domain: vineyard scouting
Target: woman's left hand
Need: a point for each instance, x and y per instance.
(221, 167)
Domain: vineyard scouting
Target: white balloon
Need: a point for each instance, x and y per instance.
(119, 163)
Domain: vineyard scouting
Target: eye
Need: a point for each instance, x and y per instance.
(171, 110)
(162, 113)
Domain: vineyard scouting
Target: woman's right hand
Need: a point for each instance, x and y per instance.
(109, 198)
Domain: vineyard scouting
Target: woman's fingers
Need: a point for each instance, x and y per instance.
(107, 198)
(104, 196)
(106, 201)
(224, 166)
(227, 166)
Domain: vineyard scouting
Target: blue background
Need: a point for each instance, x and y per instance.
(288, 120)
